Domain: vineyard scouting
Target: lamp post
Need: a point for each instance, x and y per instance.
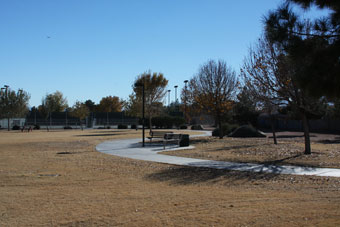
(66, 117)
(6, 103)
(141, 84)
(176, 93)
(185, 101)
(176, 101)
(169, 98)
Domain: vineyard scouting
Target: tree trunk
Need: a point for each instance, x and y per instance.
(306, 133)
(150, 123)
(220, 129)
(107, 119)
(81, 125)
(273, 128)
(47, 126)
(219, 122)
(8, 121)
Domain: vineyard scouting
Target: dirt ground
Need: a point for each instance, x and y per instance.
(58, 179)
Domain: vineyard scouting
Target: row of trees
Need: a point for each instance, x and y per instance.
(56, 102)
(15, 104)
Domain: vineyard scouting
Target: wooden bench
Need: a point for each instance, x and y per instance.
(171, 137)
(158, 135)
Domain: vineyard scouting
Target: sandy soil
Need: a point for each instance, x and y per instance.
(58, 179)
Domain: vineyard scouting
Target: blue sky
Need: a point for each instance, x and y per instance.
(92, 49)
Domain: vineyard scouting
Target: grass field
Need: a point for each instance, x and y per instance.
(58, 179)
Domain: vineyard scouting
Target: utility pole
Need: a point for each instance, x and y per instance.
(185, 101)
(169, 98)
(176, 93)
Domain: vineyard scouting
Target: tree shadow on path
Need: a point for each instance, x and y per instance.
(103, 134)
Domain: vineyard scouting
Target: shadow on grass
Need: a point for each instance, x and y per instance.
(104, 134)
(196, 175)
(199, 140)
(327, 141)
(284, 161)
(290, 136)
(227, 148)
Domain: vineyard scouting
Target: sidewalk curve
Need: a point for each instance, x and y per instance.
(132, 148)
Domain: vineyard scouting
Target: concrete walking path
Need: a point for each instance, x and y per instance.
(132, 148)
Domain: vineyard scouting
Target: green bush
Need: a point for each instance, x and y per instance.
(133, 126)
(67, 127)
(167, 122)
(246, 131)
(226, 129)
(122, 126)
(183, 127)
(158, 122)
(196, 127)
(178, 121)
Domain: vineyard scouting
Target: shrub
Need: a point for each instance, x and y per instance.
(16, 127)
(67, 127)
(163, 122)
(168, 121)
(196, 127)
(36, 127)
(226, 129)
(246, 131)
(108, 127)
(122, 126)
(133, 126)
(178, 121)
(183, 127)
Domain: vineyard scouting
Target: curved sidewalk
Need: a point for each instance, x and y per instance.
(132, 148)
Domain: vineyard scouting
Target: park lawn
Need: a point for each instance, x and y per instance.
(58, 179)
(288, 151)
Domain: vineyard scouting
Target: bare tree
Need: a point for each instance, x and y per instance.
(269, 72)
(213, 89)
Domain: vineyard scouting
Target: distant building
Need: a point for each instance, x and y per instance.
(12, 122)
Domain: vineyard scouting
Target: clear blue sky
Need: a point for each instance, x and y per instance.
(92, 49)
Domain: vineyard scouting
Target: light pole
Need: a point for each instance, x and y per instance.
(6, 103)
(141, 84)
(66, 117)
(143, 121)
(176, 93)
(169, 98)
(185, 101)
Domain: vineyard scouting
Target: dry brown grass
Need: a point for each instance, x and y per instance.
(58, 179)
(288, 151)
